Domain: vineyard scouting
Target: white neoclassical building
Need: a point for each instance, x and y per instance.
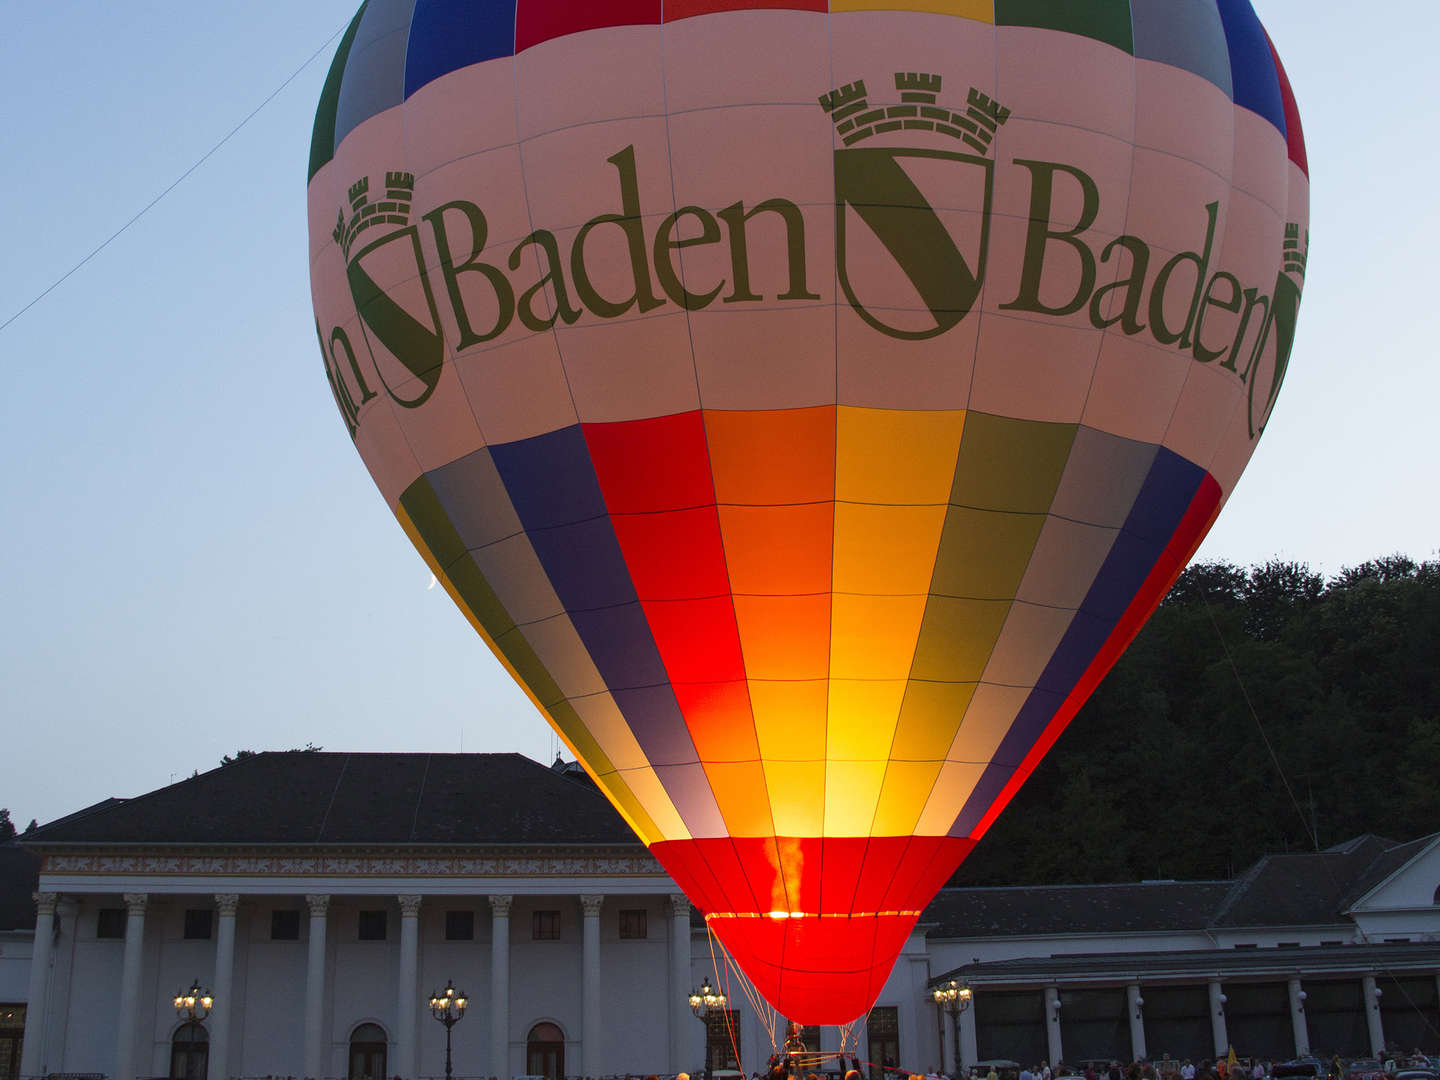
(322, 897)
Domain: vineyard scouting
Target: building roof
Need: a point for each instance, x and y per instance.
(1312, 888)
(1304, 889)
(309, 797)
(19, 876)
(1190, 963)
(1075, 909)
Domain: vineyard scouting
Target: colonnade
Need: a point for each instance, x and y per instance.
(968, 1035)
(403, 1049)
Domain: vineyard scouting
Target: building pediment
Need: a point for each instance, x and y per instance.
(1413, 885)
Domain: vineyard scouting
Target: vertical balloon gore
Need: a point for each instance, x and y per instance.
(807, 403)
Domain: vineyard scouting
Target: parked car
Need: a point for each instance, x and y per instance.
(1416, 1074)
(1303, 1068)
(1364, 1069)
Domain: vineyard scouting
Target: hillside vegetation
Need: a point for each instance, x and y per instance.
(1258, 711)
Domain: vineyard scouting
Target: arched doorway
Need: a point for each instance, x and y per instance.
(189, 1052)
(368, 1052)
(545, 1051)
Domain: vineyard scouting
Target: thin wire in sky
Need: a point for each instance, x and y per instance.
(175, 183)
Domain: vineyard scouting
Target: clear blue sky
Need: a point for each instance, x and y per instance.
(195, 559)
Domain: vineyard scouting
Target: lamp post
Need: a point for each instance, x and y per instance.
(953, 999)
(193, 1006)
(195, 1003)
(703, 1003)
(448, 1006)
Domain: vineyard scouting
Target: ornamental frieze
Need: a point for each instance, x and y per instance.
(530, 863)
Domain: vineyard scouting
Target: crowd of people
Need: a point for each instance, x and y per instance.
(1169, 1069)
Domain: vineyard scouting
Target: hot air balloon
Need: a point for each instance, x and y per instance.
(807, 400)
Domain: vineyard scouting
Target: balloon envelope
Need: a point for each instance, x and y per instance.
(807, 401)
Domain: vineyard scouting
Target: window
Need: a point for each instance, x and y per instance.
(722, 1039)
(285, 925)
(371, 926)
(545, 1048)
(12, 1035)
(110, 923)
(368, 1046)
(632, 924)
(545, 926)
(882, 1029)
(459, 926)
(1287, 944)
(197, 924)
(189, 1052)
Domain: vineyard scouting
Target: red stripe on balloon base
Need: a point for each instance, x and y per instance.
(816, 922)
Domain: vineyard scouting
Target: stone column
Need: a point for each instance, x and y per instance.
(590, 1026)
(1054, 1046)
(500, 986)
(969, 1039)
(681, 1020)
(949, 1063)
(37, 1006)
(130, 985)
(1135, 1010)
(1297, 1019)
(1219, 1034)
(223, 1009)
(1372, 1017)
(319, 904)
(406, 1005)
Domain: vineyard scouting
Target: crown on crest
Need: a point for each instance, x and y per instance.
(855, 119)
(393, 209)
(1296, 249)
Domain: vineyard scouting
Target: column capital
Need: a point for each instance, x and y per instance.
(226, 903)
(45, 902)
(410, 905)
(679, 905)
(318, 904)
(590, 904)
(135, 902)
(500, 905)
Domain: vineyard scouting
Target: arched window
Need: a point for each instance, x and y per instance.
(189, 1052)
(368, 1047)
(1436, 898)
(545, 1051)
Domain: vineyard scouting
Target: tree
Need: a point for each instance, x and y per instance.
(1277, 592)
(1258, 711)
(7, 829)
(241, 755)
(1220, 583)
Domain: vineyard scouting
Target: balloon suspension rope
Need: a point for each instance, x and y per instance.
(797, 1061)
(762, 1008)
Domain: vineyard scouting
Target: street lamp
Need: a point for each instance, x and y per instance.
(954, 999)
(703, 1003)
(195, 1003)
(448, 1007)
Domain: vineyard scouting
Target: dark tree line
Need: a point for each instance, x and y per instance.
(1258, 711)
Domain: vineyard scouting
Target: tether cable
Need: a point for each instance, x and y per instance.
(174, 183)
